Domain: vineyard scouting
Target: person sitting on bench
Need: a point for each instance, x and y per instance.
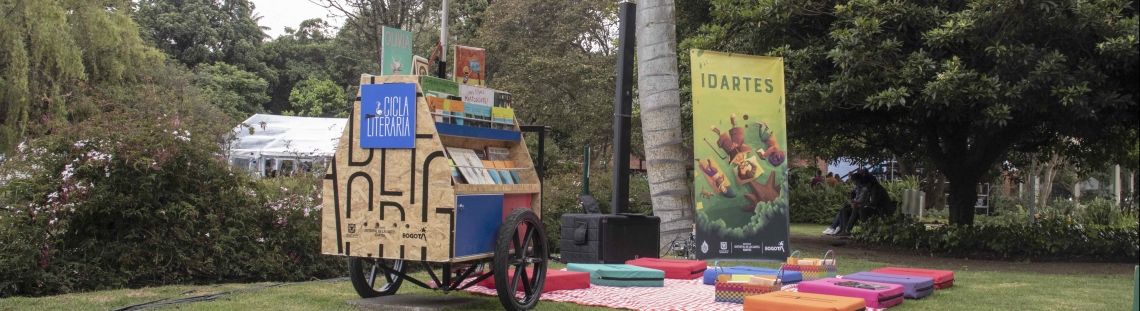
(837, 224)
(876, 202)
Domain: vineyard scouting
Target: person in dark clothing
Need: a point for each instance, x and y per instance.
(876, 201)
(836, 225)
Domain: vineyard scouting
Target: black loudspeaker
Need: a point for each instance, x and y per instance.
(610, 239)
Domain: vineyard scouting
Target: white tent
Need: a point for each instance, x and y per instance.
(283, 143)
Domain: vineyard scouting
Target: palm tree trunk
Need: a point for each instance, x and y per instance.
(660, 100)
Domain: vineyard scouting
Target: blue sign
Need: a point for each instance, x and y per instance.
(388, 115)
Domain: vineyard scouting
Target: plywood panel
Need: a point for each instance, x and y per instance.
(374, 199)
(400, 203)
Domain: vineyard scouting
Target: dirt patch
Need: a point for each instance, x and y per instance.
(851, 249)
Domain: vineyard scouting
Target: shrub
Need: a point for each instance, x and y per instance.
(1101, 212)
(1051, 237)
(130, 199)
(819, 205)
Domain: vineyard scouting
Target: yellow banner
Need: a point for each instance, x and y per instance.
(740, 149)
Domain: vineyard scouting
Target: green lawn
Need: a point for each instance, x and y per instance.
(973, 290)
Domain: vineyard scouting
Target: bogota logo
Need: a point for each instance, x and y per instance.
(778, 248)
(351, 228)
(417, 236)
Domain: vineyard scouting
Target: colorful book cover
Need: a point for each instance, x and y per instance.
(505, 174)
(439, 110)
(514, 174)
(500, 112)
(457, 109)
(422, 67)
(396, 53)
(469, 65)
(498, 154)
(483, 98)
(455, 173)
(437, 87)
(495, 175)
(463, 159)
(478, 115)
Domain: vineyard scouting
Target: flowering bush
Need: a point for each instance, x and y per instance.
(131, 199)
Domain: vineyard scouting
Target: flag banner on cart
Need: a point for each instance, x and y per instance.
(740, 144)
(388, 115)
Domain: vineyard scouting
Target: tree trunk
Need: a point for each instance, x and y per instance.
(1048, 172)
(963, 196)
(935, 191)
(660, 101)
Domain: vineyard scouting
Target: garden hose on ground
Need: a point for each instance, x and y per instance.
(168, 302)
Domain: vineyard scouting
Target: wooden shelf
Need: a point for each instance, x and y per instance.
(496, 189)
(477, 132)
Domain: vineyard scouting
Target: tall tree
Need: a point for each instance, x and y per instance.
(368, 17)
(555, 58)
(204, 31)
(312, 51)
(659, 99)
(318, 98)
(960, 82)
(237, 93)
(54, 51)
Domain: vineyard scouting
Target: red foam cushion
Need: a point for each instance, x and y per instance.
(555, 280)
(674, 268)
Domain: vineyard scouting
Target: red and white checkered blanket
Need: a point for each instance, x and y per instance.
(677, 295)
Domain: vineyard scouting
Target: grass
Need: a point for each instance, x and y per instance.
(973, 290)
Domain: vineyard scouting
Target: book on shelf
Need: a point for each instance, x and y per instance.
(477, 114)
(439, 110)
(498, 153)
(396, 55)
(514, 173)
(502, 113)
(495, 175)
(422, 67)
(469, 164)
(457, 111)
(437, 87)
(483, 99)
(505, 175)
(469, 63)
(455, 173)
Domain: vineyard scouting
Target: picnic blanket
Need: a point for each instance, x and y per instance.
(677, 295)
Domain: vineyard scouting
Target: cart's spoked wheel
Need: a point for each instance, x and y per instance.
(520, 260)
(370, 280)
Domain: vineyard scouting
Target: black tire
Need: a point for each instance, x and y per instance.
(363, 273)
(534, 255)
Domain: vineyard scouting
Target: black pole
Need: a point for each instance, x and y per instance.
(623, 107)
(540, 167)
(442, 69)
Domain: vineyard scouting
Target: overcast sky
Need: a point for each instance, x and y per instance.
(278, 14)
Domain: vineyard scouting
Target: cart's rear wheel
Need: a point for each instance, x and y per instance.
(522, 232)
(370, 280)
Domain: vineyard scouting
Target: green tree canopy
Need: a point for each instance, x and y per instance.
(959, 82)
(557, 59)
(318, 98)
(312, 51)
(204, 31)
(54, 51)
(236, 92)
